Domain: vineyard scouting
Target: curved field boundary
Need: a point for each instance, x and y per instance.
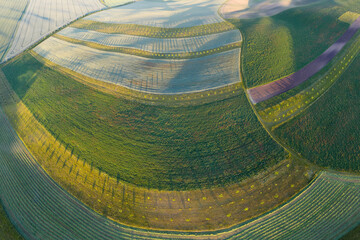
(155, 32)
(154, 45)
(148, 54)
(10, 15)
(113, 3)
(267, 91)
(43, 17)
(157, 76)
(40, 209)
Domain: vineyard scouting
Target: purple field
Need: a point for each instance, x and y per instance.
(267, 91)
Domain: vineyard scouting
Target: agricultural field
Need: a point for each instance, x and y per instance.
(179, 119)
(323, 139)
(269, 90)
(277, 46)
(154, 45)
(159, 76)
(10, 14)
(43, 17)
(7, 230)
(147, 136)
(166, 14)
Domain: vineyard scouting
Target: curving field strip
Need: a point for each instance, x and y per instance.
(159, 76)
(40, 209)
(269, 90)
(154, 45)
(43, 17)
(168, 14)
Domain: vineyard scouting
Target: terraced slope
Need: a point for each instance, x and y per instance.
(43, 17)
(10, 15)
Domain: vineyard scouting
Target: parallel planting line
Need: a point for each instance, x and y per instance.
(156, 32)
(269, 90)
(148, 54)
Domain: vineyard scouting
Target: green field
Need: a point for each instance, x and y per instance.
(151, 146)
(277, 46)
(7, 230)
(327, 133)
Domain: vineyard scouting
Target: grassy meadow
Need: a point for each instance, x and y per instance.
(277, 46)
(151, 146)
(7, 229)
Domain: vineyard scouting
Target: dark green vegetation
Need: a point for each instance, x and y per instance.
(277, 46)
(7, 230)
(353, 235)
(152, 146)
(327, 133)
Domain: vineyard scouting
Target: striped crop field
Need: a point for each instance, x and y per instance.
(166, 14)
(42, 17)
(143, 74)
(10, 15)
(155, 45)
(149, 31)
(113, 3)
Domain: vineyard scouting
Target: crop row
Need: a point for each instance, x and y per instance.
(149, 31)
(154, 45)
(166, 14)
(113, 3)
(148, 75)
(10, 14)
(43, 17)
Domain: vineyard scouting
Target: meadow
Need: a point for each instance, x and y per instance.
(7, 230)
(277, 46)
(227, 140)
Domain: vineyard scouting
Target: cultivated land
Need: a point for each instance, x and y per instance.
(246, 9)
(136, 206)
(154, 45)
(143, 74)
(165, 14)
(323, 139)
(112, 3)
(43, 17)
(219, 135)
(269, 90)
(10, 14)
(278, 46)
(7, 230)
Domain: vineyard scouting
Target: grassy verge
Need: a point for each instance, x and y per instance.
(353, 235)
(147, 54)
(7, 230)
(156, 32)
(274, 47)
(159, 147)
(327, 132)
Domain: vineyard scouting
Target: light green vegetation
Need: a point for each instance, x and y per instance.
(7, 230)
(277, 46)
(152, 146)
(157, 32)
(326, 133)
(10, 14)
(349, 17)
(280, 109)
(148, 54)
